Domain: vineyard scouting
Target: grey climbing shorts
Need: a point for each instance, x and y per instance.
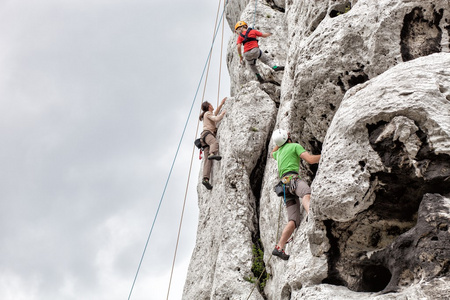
(302, 188)
(293, 211)
(293, 204)
(252, 55)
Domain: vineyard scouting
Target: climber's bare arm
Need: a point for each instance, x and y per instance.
(309, 158)
(275, 149)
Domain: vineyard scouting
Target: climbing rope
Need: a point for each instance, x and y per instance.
(254, 15)
(270, 258)
(175, 157)
(181, 222)
(193, 147)
(209, 58)
(220, 65)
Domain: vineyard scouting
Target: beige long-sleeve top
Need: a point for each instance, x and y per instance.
(210, 120)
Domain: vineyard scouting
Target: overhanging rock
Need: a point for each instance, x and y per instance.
(388, 145)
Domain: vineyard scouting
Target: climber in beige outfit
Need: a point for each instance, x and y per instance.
(208, 137)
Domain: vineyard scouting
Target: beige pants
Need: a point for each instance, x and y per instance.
(214, 149)
(252, 55)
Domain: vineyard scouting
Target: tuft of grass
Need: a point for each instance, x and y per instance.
(258, 266)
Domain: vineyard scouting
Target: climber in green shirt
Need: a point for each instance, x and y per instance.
(288, 155)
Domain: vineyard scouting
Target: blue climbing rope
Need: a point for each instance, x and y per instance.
(254, 15)
(176, 153)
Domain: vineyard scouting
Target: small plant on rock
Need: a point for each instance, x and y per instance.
(258, 266)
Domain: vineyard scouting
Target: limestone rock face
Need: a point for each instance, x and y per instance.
(388, 146)
(274, 47)
(397, 123)
(367, 85)
(422, 253)
(228, 221)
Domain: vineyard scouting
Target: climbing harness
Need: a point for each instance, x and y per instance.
(289, 177)
(287, 185)
(290, 181)
(248, 39)
(200, 143)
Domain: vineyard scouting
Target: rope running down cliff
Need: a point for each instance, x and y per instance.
(196, 132)
(175, 157)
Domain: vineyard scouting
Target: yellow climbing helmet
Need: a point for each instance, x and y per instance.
(239, 24)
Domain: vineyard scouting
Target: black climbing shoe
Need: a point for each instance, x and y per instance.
(260, 79)
(206, 183)
(280, 253)
(214, 156)
(278, 68)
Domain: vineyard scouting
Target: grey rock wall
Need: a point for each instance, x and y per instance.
(387, 147)
(367, 85)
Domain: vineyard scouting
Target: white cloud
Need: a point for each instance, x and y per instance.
(93, 101)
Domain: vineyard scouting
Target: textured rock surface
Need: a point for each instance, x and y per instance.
(367, 84)
(228, 221)
(422, 253)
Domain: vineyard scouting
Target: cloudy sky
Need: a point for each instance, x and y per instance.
(94, 96)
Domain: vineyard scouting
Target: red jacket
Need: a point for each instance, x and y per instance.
(252, 43)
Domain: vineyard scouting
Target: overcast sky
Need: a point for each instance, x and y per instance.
(94, 95)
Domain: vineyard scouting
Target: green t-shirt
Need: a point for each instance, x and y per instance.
(288, 158)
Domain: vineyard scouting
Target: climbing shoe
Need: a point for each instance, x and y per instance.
(278, 68)
(280, 253)
(260, 79)
(214, 156)
(206, 183)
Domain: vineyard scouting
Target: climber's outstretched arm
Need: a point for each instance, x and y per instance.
(309, 158)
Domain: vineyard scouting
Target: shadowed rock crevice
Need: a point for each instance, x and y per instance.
(350, 243)
(375, 278)
(274, 6)
(419, 36)
(409, 178)
(286, 292)
(424, 251)
(256, 183)
(316, 148)
(273, 91)
(339, 9)
(315, 23)
(349, 79)
(357, 79)
(256, 177)
(333, 256)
